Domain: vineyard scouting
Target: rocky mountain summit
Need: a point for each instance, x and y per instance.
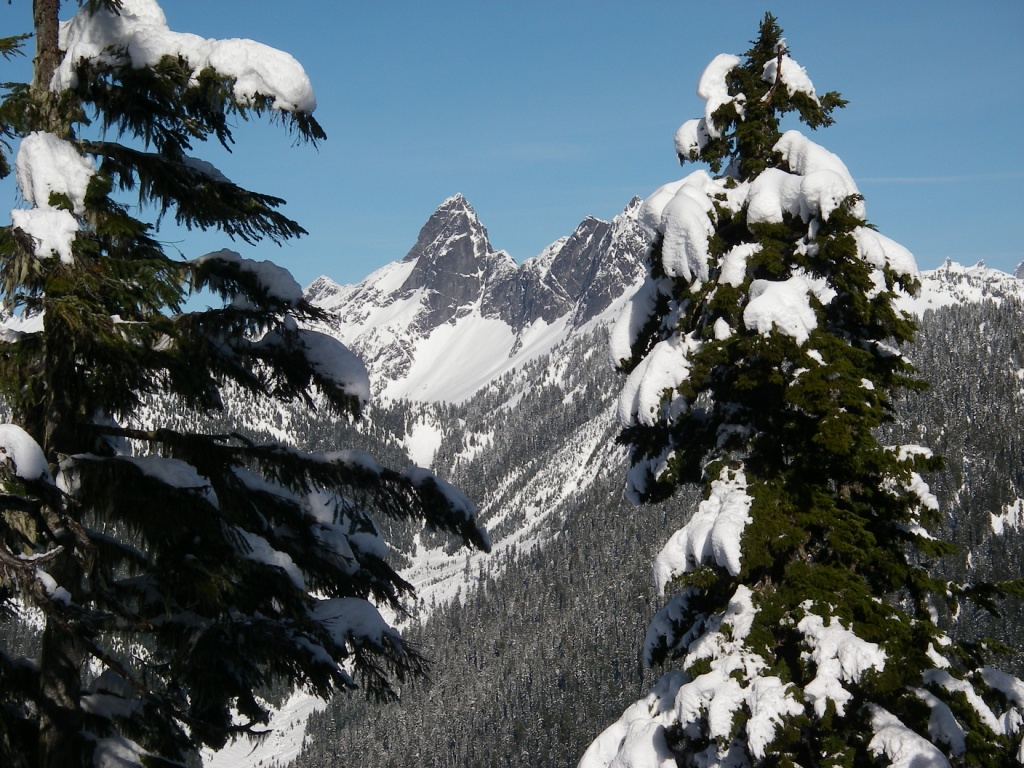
(454, 266)
(454, 298)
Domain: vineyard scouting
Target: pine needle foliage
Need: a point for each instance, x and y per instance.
(763, 357)
(178, 573)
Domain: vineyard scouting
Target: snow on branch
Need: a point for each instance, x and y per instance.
(782, 305)
(229, 273)
(174, 473)
(913, 484)
(334, 368)
(902, 746)
(22, 454)
(640, 732)
(1002, 726)
(352, 620)
(786, 71)
(47, 166)
(256, 548)
(818, 184)
(336, 364)
(111, 696)
(687, 226)
(713, 534)
(664, 368)
(691, 138)
(1013, 689)
(712, 702)
(839, 656)
(118, 752)
(451, 508)
(138, 35)
(52, 176)
(881, 251)
(712, 87)
(627, 329)
(825, 181)
(943, 727)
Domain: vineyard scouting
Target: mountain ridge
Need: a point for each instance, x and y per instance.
(454, 313)
(454, 298)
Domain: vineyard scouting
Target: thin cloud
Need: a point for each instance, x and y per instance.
(540, 152)
(941, 179)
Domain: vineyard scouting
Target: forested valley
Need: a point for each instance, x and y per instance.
(542, 648)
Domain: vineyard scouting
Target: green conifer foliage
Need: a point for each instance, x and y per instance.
(177, 572)
(763, 355)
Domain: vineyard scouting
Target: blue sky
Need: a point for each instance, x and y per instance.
(542, 113)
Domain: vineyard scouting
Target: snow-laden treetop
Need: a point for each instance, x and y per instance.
(693, 135)
(810, 184)
(139, 32)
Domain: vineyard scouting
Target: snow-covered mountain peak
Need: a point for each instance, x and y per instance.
(454, 313)
(953, 283)
(454, 220)
(452, 263)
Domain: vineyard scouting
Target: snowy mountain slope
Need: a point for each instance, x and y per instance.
(454, 314)
(527, 448)
(284, 743)
(523, 508)
(535, 449)
(521, 480)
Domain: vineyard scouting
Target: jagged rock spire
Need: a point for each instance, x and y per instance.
(453, 261)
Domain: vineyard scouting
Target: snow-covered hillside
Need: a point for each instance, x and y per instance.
(953, 283)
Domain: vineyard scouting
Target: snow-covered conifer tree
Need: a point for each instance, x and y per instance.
(762, 353)
(178, 572)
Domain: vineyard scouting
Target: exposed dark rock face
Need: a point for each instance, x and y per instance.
(453, 263)
(579, 275)
(458, 272)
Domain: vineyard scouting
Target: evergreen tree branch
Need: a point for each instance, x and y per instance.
(198, 195)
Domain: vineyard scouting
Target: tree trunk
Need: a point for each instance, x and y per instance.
(46, 21)
(48, 55)
(60, 719)
(60, 716)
